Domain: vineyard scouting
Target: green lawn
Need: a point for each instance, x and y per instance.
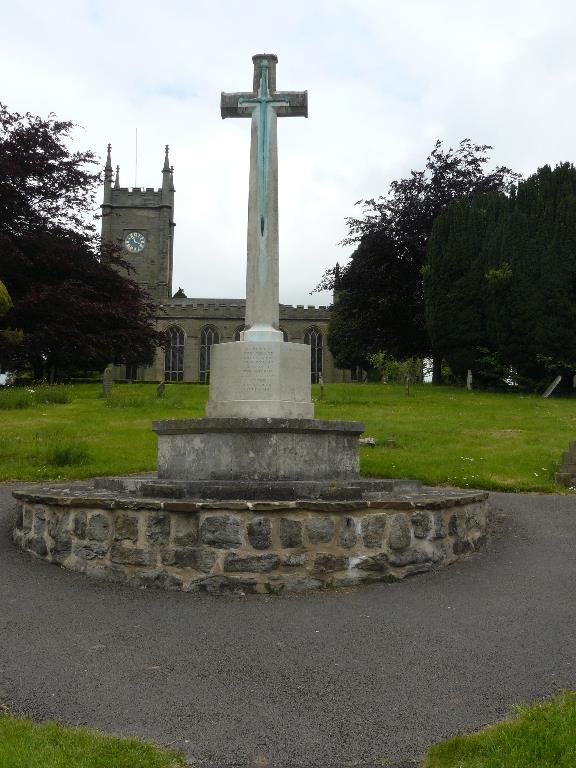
(439, 435)
(540, 736)
(25, 744)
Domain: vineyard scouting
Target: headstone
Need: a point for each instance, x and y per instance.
(321, 382)
(469, 379)
(552, 386)
(160, 389)
(107, 381)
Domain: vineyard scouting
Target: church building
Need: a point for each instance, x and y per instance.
(143, 220)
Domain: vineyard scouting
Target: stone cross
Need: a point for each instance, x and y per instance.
(263, 104)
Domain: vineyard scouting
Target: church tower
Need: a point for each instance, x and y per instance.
(142, 221)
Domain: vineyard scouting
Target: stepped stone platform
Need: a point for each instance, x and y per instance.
(288, 536)
(566, 474)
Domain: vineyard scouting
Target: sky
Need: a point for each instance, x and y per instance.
(385, 80)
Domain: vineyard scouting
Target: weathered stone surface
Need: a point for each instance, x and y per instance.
(158, 528)
(222, 531)
(326, 562)
(373, 528)
(295, 560)
(98, 528)
(199, 558)
(320, 530)
(377, 562)
(422, 524)
(475, 518)
(59, 524)
(453, 527)
(159, 580)
(221, 585)
(90, 550)
(61, 548)
(25, 517)
(480, 542)
(251, 563)
(260, 533)
(290, 533)
(120, 553)
(438, 527)
(37, 545)
(408, 557)
(461, 546)
(399, 535)
(184, 530)
(39, 524)
(125, 527)
(79, 525)
(348, 536)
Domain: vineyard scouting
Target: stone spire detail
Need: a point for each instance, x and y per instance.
(166, 173)
(108, 176)
(117, 179)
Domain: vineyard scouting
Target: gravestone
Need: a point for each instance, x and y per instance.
(107, 381)
(160, 389)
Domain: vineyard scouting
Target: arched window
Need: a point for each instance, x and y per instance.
(313, 337)
(208, 337)
(174, 357)
(238, 331)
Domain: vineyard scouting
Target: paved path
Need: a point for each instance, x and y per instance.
(347, 678)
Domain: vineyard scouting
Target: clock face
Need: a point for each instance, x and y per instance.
(134, 242)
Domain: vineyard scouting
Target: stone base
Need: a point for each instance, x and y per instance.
(257, 449)
(265, 379)
(249, 546)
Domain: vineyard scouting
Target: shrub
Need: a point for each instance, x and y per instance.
(68, 454)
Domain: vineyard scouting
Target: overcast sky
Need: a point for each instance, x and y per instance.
(385, 80)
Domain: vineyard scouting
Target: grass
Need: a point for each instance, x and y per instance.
(25, 744)
(440, 435)
(539, 736)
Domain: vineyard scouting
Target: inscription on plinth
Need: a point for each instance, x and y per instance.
(256, 373)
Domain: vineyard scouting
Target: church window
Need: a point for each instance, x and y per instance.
(238, 331)
(174, 357)
(313, 337)
(208, 337)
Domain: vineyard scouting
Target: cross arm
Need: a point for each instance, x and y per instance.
(230, 106)
(286, 104)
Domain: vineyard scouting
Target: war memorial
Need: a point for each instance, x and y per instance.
(258, 496)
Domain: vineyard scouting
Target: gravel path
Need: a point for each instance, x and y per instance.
(357, 678)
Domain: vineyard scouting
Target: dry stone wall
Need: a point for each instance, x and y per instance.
(246, 547)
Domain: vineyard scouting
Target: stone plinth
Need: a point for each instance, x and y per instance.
(257, 449)
(249, 546)
(260, 379)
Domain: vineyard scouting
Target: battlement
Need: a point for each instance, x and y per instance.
(143, 197)
(235, 308)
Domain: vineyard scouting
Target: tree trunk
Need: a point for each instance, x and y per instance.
(436, 370)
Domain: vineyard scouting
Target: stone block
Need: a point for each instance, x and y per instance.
(59, 524)
(221, 531)
(158, 528)
(377, 563)
(421, 524)
(98, 528)
(184, 530)
(399, 535)
(409, 556)
(320, 530)
(260, 533)
(348, 536)
(90, 550)
(158, 580)
(199, 558)
(222, 585)
(125, 527)
(61, 548)
(373, 528)
(295, 560)
(39, 525)
(326, 562)
(120, 553)
(290, 533)
(438, 527)
(79, 525)
(25, 518)
(251, 563)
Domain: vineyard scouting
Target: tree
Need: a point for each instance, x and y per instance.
(500, 283)
(403, 219)
(69, 299)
